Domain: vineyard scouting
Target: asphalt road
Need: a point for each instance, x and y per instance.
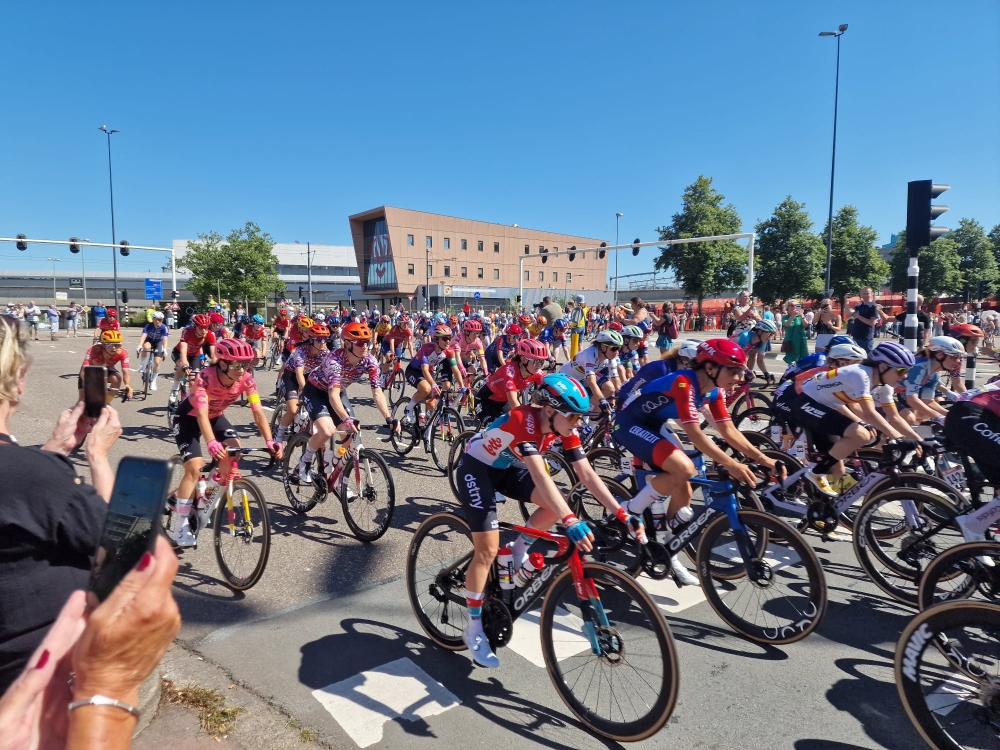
(332, 613)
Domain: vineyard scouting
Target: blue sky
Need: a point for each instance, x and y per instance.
(552, 115)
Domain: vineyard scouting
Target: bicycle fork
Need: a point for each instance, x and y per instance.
(591, 608)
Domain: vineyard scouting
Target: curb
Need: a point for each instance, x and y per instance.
(149, 701)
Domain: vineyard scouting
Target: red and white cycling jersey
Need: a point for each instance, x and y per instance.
(515, 435)
(208, 392)
(400, 333)
(281, 323)
(194, 344)
(508, 380)
(254, 332)
(98, 356)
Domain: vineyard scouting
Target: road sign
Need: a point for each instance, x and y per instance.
(76, 283)
(348, 294)
(61, 295)
(409, 297)
(477, 295)
(447, 291)
(154, 289)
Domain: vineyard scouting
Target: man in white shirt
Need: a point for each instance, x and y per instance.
(31, 313)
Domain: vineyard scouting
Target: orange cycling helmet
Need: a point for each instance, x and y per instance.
(966, 331)
(236, 350)
(357, 332)
(111, 336)
(525, 319)
(305, 323)
(319, 331)
(201, 320)
(532, 349)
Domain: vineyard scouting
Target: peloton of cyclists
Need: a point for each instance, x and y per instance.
(436, 358)
(503, 387)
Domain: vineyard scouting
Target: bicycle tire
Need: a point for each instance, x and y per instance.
(756, 420)
(406, 439)
(457, 449)
(279, 411)
(446, 625)
(962, 561)
(607, 463)
(561, 471)
(367, 496)
(397, 387)
(447, 426)
(747, 500)
(923, 634)
(221, 525)
(757, 396)
(295, 493)
(804, 609)
(626, 555)
(620, 637)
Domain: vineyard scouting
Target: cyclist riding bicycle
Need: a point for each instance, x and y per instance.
(280, 324)
(942, 354)
(154, 339)
(632, 336)
(217, 326)
(755, 343)
(195, 339)
(598, 368)
(970, 336)
(294, 373)
(108, 352)
(108, 323)
(502, 346)
(382, 327)
(398, 337)
(816, 359)
(325, 396)
(506, 458)
(641, 427)
(469, 346)
(297, 334)
(200, 415)
(679, 357)
(255, 334)
(503, 388)
(436, 359)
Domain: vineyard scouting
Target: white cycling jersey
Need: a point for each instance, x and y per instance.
(585, 363)
(846, 385)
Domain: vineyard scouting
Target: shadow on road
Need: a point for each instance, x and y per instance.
(874, 702)
(712, 638)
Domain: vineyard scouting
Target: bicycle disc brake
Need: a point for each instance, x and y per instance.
(497, 623)
(612, 645)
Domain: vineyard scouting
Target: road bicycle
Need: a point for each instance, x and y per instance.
(146, 374)
(946, 666)
(966, 571)
(437, 429)
(273, 355)
(177, 396)
(607, 647)
(744, 398)
(237, 512)
(394, 380)
(358, 476)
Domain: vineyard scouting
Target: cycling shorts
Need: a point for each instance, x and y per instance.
(415, 375)
(317, 404)
(290, 385)
(187, 434)
(784, 402)
(156, 347)
(478, 485)
(652, 448)
(975, 431)
(387, 347)
(486, 408)
(821, 422)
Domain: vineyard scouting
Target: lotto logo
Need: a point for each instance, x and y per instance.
(493, 445)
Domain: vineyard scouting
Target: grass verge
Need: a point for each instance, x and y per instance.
(217, 719)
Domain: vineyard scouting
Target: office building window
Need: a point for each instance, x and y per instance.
(430, 270)
(541, 248)
(465, 244)
(465, 272)
(496, 247)
(527, 275)
(527, 250)
(447, 243)
(428, 242)
(555, 249)
(409, 239)
(447, 270)
(555, 276)
(541, 275)
(569, 278)
(479, 273)
(496, 274)
(409, 269)
(480, 248)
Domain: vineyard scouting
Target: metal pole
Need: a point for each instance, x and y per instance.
(427, 278)
(833, 164)
(84, 264)
(309, 271)
(111, 187)
(753, 242)
(617, 217)
(173, 270)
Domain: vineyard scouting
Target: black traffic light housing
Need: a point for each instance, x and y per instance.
(519, 299)
(22, 245)
(635, 247)
(920, 213)
(602, 253)
(174, 294)
(545, 254)
(73, 246)
(572, 254)
(123, 248)
(124, 296)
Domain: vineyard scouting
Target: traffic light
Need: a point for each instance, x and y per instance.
(174, 294)
(602, 253)
(123, 248)
(73, 246)
(545, 254)
(22, 245)
(920, 213)
(125, 296)
(519, 299)
(635, 247)
(572, 255)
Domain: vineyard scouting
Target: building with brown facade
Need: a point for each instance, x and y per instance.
(400, 251)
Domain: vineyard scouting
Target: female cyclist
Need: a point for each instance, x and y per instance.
(970, 337)
(217, 326)
(254, 333)
(503, 388)
(200, 415)
(506, 459)
(942, 354)
(153, 342)
(297, 333)
(108, 352)
(108, 323)
(681, 356)
(303, 361)
(469, 347)
(501, 348)
(195, 340)
(598, 368)
(438, 359)
(632, 336)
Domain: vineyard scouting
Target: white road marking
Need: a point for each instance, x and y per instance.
(670, 597)
(568, 637)
(398, 690)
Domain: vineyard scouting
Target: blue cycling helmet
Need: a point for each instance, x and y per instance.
(563, 394)
(892, 354)
(244, 319)
(258, 319)
(765, 326)
(561, 323)
(840, 339)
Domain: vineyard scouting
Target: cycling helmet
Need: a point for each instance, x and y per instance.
(615, 326)
(892, 354)
(765, 326)
(839, 339)
(578, 299)
(846, 351)
(513, 330)
(472, 326)
(561, 323)
(201, 320)
(319, 331)
(112, 312)
(441, 330)
(216, 319)
(532, 349)
(563, 393)
(946, 345)
(234, 349)
(404, 319)
(111, 336)
(258, 319)
(609, 337)
(157, 315)
(966, 331)
(722, 352)
(525, 320)
(632, 332)
(688, 349)
(357, 332)
(453, 320)
(305, 323)
(374, 311)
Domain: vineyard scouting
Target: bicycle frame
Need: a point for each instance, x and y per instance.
(227, 486)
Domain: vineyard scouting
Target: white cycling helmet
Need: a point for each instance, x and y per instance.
(319, 317)
(157, 315)
(689, 349)
(947, 346)
(847, 351)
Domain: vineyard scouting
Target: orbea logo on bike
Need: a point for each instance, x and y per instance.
(913, 648)
(524, 599)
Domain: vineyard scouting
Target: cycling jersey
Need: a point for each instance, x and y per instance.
(507, 379)
(920, 381)
(845, 385)
(335, 372)
(746, 343)
(674, 396)
(629, 359)
(254, 332)
(293, 339)
(585, 363)
(155, 333)
(515, 435)
(304, 358)
(98, 356)
(492, 358)
(109, 324)
(281, 323)
(430, 356)
(808, 362)
(189, 337)
(208, 392)
(988, 396)
(467, 348)
(400, 333)
(535, 330)
(646, 374)
(382, 329)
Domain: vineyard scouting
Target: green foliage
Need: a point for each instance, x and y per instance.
(243, 266)
(940, 274)
(978, 260)
(855, 260)
(994, 237)
(789, 258)
(704, 268)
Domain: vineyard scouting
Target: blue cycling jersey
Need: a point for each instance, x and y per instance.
(808, 362)
(674, 396)
(155, 333)
(646, 374)
(492, 360)
(920, 381)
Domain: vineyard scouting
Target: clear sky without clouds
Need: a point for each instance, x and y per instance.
(552, 115)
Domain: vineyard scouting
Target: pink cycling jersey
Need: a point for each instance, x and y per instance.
(207, 392)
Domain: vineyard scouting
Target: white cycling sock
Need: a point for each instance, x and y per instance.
(646, 497)
(409, 407)
(308, 453)
(184, 507)
(980, 520)
(519, 549)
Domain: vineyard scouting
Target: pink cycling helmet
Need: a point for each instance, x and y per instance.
(532, 349)
(234, 349)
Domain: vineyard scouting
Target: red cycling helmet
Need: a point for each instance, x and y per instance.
(966, 331)
(216, 318)
(201, 320)
(722, 352)
(473, 326)
(319, 331)
(441, 330)
(235, 349)
(532, 349)
(513, 330)
(112, 313)
(615, 326)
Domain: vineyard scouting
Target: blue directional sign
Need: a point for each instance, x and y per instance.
(477, 295)
(348, 294)
(154, 289)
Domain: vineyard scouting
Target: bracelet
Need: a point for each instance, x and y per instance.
(103, 700)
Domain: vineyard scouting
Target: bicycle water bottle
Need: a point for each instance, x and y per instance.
(532, 564)
(684, 515)
(505, 566)
(658, 509)
(200, 488)
(776, 434)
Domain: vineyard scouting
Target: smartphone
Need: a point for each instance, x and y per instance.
(133, 521)
(95, 390)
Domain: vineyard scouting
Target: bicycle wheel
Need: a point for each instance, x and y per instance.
(757, 400)
(406, 439)
(756, 420)
(448, 425)
(302, 497)
(367, 494)
(783, 600)
(396, 387)
(953, 700)
(242, 536)
(609, 464)
(888, 543)
(968, 570)
(436, 562)
(624, 553)
(563, 476)
(726, 563)
(457, 449)
(628, 690)
(146, 378)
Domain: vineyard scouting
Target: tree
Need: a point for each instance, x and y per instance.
(978, 261)
(789, 258)
(994, 236)
(855, 260)
(704, 268)
(243, 266)
(940, 274)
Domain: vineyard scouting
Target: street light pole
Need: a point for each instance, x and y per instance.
(309, 271)
(427, 277)
(111, 187)
(617, 217)
(83, 264)
(54, 261)
(833, 159)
